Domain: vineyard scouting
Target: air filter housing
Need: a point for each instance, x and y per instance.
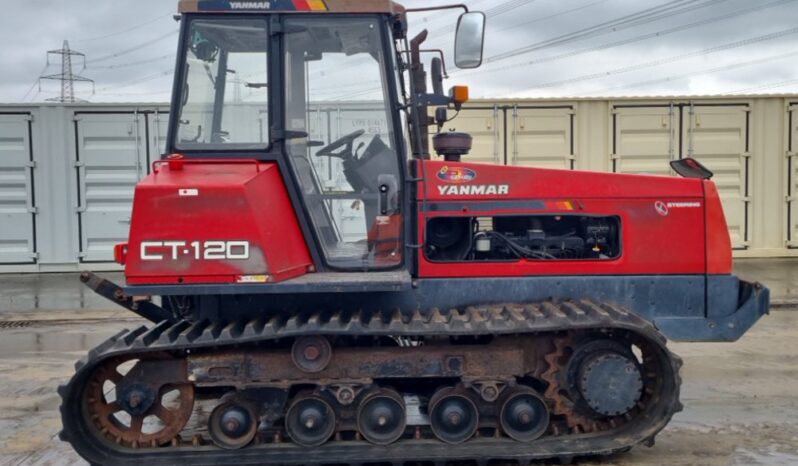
(452, 145)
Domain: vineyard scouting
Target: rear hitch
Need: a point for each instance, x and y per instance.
(113, 292)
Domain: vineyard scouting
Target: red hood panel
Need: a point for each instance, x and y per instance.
(210, 222)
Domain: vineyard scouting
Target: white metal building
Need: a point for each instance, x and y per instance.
(67, 172)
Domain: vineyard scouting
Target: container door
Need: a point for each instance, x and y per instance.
(644, 139)
(792, 176)
(486, 126)
(717, 136)
(157, 127)
(111, 159)
(17, 206)
(541, 137)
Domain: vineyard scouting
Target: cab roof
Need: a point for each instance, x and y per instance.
(292, 6)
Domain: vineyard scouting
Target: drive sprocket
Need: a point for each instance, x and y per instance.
(557, 393)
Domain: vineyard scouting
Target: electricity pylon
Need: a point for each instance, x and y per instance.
(66, 76)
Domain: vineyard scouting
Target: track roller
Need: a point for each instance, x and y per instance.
(233, 423)
(524, 415)
(381, 417)
(310, 421)
(453, 415)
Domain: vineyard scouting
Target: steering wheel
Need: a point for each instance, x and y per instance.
(347, 141)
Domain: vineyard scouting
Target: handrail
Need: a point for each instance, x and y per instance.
(177, 163)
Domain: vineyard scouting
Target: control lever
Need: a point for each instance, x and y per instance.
(388, 189)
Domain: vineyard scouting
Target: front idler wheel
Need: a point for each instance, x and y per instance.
(381, 417)
(233, 424)
(524, 416)
(136, 414)
(310, 421)
(453, 416)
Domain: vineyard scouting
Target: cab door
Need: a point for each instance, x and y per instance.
(350, 177)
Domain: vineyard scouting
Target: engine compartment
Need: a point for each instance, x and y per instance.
(523, 237)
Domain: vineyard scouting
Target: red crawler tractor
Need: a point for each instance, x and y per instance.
(344, 299)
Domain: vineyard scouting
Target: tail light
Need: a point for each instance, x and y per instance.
(120, 253)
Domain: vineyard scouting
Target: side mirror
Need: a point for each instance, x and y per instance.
(469, 40)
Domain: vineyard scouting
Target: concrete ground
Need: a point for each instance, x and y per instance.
(741, 399)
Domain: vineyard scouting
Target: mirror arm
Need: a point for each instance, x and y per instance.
(436, 8)
(443, 60)
(438, 51)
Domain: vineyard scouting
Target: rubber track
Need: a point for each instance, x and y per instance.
(485, 320)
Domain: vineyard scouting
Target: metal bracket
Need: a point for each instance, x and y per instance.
(283, 134)
(423, 100)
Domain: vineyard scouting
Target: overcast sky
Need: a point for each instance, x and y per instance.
(534, 48)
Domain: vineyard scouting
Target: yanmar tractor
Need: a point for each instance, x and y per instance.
(323, 291)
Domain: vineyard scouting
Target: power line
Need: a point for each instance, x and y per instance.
(133, 63)
(133, 49)
(133, 82)
(495, 11)
(132, 28)
(35, 82)
(435, 16)
(766, 86)
(645, 16)
(631, 40)
(679, 77)
(499, 9)
(675, 58)
(551, 16)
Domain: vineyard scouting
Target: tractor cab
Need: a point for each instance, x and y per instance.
(332, 92)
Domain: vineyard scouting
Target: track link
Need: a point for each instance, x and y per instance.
(551, 318)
